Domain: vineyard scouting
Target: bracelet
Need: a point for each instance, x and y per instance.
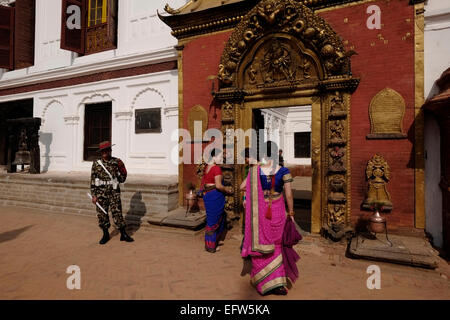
(243, 198)
(291, 214)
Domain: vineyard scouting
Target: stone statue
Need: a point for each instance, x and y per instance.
(378, 175)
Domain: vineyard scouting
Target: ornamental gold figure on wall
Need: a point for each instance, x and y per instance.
(378, 174)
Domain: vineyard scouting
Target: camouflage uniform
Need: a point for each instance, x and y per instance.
(108, 197)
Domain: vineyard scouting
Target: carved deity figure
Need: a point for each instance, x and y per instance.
(277, 63)
(337, 189)
(252, 72)
(337, 157)
(336, 213)
(305, 66)
(269, 11)
(227, 110)
(337, 105)
(378, 175)
(337, 131)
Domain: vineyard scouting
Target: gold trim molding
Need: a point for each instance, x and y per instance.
(419, 121)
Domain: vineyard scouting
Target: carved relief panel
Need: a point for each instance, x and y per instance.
(276, 62)
(197, 113)
(386, 112)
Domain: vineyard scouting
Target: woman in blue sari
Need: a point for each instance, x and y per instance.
(214, 200)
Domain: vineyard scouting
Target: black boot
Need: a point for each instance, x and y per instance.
(124, 236)
(105, 238)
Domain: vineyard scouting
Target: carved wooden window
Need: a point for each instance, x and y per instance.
(97, 128)
(97, 12)
(148, 120)
(89, 26)
(17, 24)
(302, 144)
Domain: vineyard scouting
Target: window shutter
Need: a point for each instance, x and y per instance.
(6, 37)
(73, 35)
(112, 22)
(103, 37)
(24, 33)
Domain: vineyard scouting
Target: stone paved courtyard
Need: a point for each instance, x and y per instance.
(36, 247)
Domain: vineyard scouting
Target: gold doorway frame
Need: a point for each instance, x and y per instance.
(316, 141)
(263, 65)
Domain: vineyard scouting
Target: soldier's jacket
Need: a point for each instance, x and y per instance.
(116, 168)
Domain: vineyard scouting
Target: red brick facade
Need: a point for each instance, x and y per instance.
(385, 58)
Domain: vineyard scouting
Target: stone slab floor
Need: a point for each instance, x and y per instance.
(36, 248)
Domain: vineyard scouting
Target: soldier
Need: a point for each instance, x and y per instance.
(106, 174)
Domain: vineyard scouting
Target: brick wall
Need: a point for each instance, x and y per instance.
(68, 194)
(201, 59)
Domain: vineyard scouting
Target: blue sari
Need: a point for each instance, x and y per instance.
(214, 201)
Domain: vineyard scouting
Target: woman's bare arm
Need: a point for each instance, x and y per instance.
(244, 185)
(289, 197)
(220, 186)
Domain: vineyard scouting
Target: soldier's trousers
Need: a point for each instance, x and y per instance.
(109, 199)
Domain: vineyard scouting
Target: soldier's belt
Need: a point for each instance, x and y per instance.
(99, 183)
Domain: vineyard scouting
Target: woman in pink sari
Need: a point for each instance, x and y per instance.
(265, 218)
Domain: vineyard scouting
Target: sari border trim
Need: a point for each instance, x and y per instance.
(272, 284)
(256, 246)
(268, 270)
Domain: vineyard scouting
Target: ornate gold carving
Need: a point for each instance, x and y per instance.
(378, 175)
(337, 108)
(337, 155)
(289, 17)
(227, 112)
(269, 11)
(169, 10)
(337, 189)
(419, 79)
(197, 113)
(386, 111)
(336, 214)
(337, 132)
(277, 63)
(227, 130)
(200, 169)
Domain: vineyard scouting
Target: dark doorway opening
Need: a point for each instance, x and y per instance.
(97, 128)
(11, 110)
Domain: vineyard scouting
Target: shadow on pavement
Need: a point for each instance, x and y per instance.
(11, 235)
(133, 218)
(137, 211)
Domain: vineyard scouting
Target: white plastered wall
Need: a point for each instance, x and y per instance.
(142, 39)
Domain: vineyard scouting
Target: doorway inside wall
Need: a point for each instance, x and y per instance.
(97, 128)
(290, 129)
(11, 110)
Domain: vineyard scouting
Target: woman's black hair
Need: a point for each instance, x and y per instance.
(268, 150)
(214, 152)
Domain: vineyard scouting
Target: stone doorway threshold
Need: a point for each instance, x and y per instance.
(178, 218)
(406, 250)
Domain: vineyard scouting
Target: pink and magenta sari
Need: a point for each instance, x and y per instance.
(263, 238)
